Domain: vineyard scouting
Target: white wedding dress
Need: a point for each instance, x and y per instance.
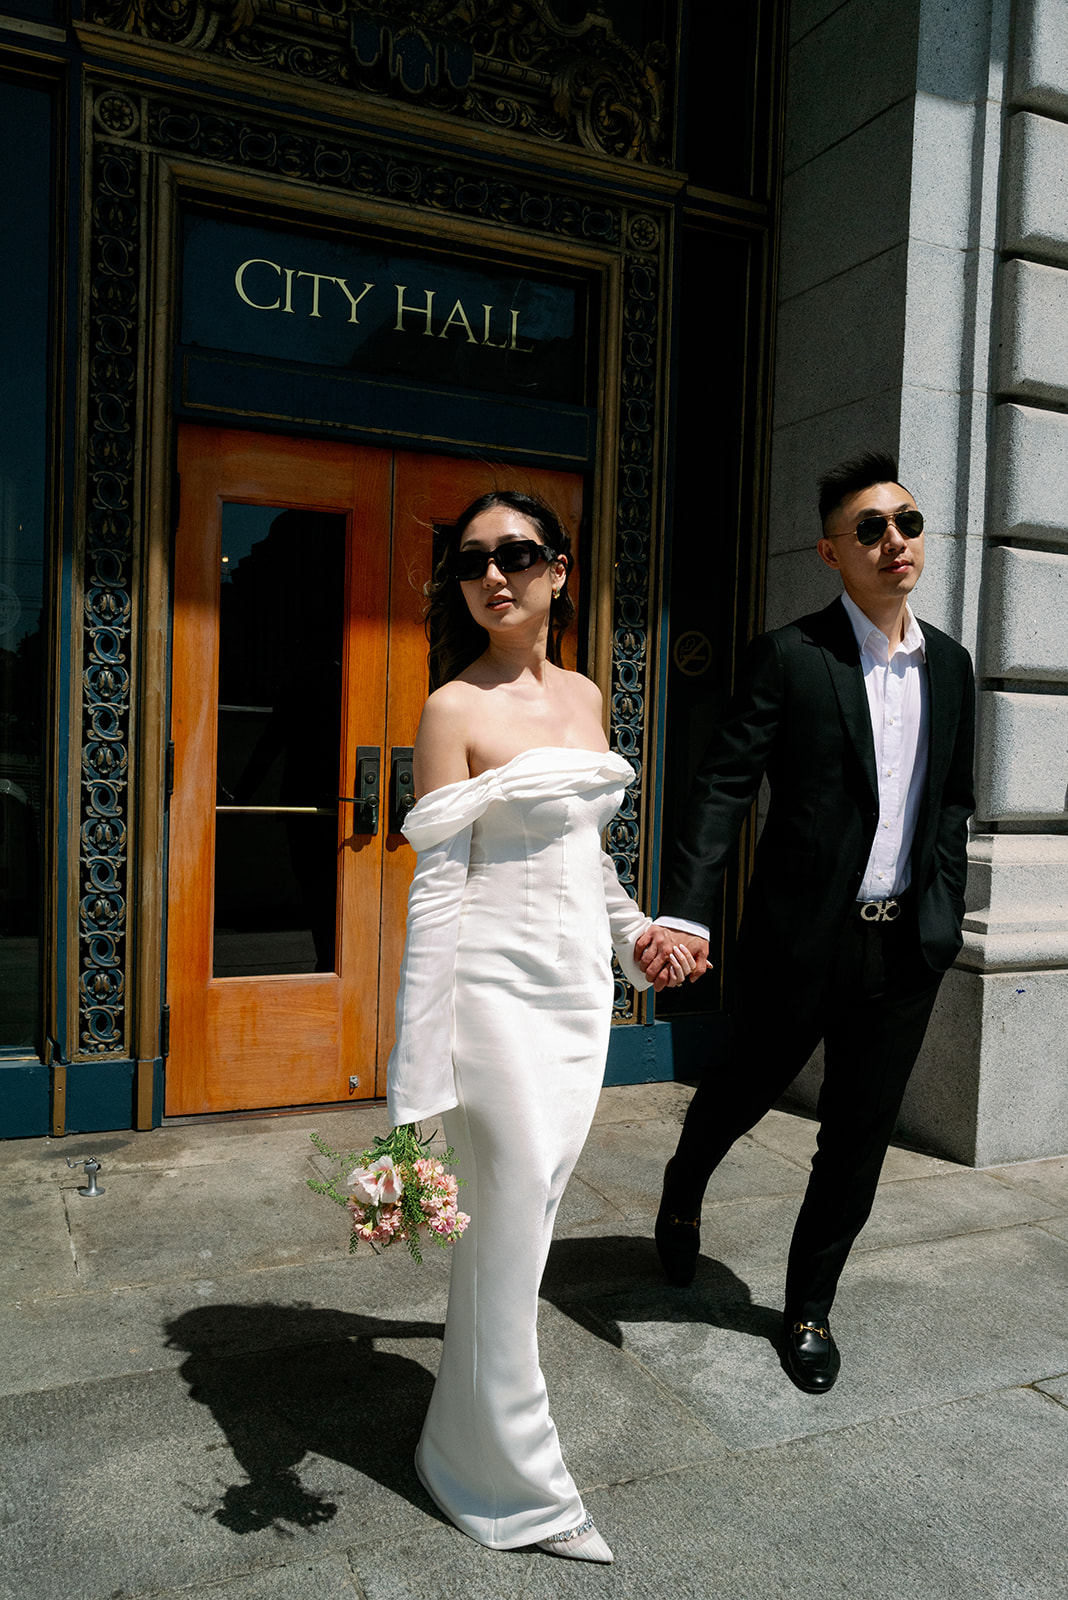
(503, 1016)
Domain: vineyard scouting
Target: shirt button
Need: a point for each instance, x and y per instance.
(878, 874)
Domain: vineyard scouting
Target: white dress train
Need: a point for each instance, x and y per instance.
(503, 1016)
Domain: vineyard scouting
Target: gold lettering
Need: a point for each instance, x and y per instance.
(524, 349)
(317, 279)
(459, 316)
(239, 282)
(486, 331)
(353, 300)
(419, 310)
(289, 271)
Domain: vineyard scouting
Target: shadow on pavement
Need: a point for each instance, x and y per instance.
(602, 1282)
(286, 1381)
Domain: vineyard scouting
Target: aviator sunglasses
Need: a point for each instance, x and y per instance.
(514, 555)
(870, 530)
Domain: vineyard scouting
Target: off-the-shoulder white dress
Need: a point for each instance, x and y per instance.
(503, 1016)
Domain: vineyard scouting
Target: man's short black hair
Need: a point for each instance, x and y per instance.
(849, 477)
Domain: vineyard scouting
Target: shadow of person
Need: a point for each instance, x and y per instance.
(604, 1282)
(286, 1381)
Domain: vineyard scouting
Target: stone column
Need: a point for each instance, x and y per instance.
(1008, 1001)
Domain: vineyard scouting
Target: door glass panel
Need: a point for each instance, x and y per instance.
(279, 742)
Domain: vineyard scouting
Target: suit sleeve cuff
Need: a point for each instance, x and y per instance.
(682, 925)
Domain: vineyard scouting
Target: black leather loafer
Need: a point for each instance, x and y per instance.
(812, 1358)
(678, 1240)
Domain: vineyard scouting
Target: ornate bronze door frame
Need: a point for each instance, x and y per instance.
(149, 148)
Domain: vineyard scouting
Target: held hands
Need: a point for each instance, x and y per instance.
(668, 957)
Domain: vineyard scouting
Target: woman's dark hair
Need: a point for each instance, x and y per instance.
(455, 638)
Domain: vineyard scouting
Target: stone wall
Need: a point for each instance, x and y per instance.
(924, 308)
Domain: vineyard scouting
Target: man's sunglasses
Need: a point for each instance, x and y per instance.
(514, 555)
(871, 529)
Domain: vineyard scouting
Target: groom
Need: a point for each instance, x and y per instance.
(862, 719)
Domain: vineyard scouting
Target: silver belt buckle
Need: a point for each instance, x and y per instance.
(880, 910)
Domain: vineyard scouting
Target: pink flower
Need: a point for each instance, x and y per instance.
(378, 1185)
(381, 1181)
(389, 1226)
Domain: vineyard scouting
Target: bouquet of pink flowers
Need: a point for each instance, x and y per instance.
(394, 1191)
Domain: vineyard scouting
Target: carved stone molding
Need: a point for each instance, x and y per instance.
(130, 130)
(511, 63)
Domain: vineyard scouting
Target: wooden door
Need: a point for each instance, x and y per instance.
(299, 652)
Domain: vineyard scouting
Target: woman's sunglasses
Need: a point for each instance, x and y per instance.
(514, 555)
(908, 523)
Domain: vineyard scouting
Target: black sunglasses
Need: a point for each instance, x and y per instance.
(871, 529)
(514, 555)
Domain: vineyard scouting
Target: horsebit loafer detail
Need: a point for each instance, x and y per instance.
(678, 1243)
(812, 1358)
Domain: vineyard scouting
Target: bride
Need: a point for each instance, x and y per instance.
(505, 997)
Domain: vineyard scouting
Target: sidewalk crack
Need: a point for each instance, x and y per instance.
(1055, 1399)
(360, 1593)
(70, 1233)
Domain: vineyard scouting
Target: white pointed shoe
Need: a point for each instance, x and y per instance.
(583, 1543)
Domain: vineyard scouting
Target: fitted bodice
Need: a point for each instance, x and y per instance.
(534, 907)
(514, 908)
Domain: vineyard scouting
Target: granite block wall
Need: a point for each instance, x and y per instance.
(924, 308)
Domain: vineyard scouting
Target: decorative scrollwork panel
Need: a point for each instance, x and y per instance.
(108, 546)
(634, 524)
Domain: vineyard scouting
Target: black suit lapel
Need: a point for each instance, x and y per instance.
(833, 632)
(942, 710)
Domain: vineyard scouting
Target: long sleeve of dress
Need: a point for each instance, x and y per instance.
(419, 1079)
(627, 921)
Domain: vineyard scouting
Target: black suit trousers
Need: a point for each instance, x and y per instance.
(871, 1013)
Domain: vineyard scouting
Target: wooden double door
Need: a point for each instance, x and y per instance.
(299, 672)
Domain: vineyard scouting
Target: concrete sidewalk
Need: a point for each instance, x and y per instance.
(202, 1395)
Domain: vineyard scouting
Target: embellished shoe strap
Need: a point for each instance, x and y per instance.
(572, 1533)
(812, 1327)
(684, 1222)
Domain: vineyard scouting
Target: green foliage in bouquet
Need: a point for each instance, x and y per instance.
(393, 1191)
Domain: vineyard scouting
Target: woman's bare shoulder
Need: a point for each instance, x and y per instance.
(445, 702)
(444, 737)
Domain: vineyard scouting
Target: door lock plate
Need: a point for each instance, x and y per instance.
(368, 788)
(401, 786)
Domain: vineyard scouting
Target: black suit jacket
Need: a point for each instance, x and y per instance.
(801, 715)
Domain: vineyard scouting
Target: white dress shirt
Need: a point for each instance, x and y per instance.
(896, 687)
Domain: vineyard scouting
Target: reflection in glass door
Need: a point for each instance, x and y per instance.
(279, 736)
